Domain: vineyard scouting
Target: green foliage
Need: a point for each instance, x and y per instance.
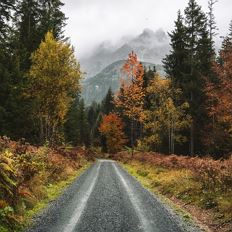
(7, 175)
(189, 64)
(164, 119)
(76, 127)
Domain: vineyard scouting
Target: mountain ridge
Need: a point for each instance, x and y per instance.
(150, 46)
(95, 88)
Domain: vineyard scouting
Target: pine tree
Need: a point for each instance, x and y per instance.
(211, 22)
(6, 8)
(51, 18)
(27, 36)
(199, 60)
(190, 63)
(108, 102)
(175, 64)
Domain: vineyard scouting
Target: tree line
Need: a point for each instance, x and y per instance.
(186, 112)
(39, 74)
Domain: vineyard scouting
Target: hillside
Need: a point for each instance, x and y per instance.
(95, 88)
(150, 47)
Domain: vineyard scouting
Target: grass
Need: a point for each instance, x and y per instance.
(180, 184)
(53, 191)
(50, 193)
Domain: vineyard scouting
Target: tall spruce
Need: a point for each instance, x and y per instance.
(6, 7)
(199, 59)
(189, 64)
(27, 20)
(108, 103)
(212, 21)
(52, 18)
(175, 64)
(76, 127)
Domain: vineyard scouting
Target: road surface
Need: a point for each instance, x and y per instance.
(105, 198)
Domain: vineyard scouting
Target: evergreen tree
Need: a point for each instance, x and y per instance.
(175, 64)
(199, 60)
(28, 39)
(94, 116)
(51, 18)
(189, 63)
(108, 103)
(211, 22)
(76, 127)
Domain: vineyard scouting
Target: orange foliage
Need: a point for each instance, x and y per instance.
(131, 96)
(213, 174)
(112, 128)
(220, 94)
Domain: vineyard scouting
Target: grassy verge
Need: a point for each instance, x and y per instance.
(211, 209)
(30, 177)
(50, 192)
(53, 191)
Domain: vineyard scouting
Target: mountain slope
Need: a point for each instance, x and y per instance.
(150, 47)
(95, 88)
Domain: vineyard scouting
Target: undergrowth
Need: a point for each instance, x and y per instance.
(31, 176)
(204, 183)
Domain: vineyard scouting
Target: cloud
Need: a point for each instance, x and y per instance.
(93, 21)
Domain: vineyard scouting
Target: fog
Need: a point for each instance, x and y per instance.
(91, 22)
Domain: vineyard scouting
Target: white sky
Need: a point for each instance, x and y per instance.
(94, 21)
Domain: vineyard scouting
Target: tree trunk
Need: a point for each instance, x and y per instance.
(132, 137)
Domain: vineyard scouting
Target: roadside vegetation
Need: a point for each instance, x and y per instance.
(202, 186)
(188, 112)
(31, 176)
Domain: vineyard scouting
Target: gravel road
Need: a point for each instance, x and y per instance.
(106, 198)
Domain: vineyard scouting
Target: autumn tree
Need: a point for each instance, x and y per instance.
(130, 99)
(219, 100)
(164, 120)
(112, 128)
(53, 82)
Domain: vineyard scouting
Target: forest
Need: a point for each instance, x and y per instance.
(188, 112)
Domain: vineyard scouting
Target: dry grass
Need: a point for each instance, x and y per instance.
(202, 185)
(26, 172)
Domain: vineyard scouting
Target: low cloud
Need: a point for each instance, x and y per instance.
(93, 21)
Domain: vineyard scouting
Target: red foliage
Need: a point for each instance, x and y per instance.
(212, 173)
(112, 128)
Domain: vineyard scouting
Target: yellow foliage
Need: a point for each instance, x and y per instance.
(53, 82)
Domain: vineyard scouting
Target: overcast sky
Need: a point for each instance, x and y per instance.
(93, 21)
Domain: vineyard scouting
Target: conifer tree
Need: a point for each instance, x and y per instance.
(175, 64)
(190, 63)
(6, 8)
(199, 60)
(51, 18)
(211, 22)
(108, 103)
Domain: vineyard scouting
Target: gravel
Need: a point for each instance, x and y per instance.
(105, 198)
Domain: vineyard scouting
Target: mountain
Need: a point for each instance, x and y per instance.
(150, 47)
(95, 88)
